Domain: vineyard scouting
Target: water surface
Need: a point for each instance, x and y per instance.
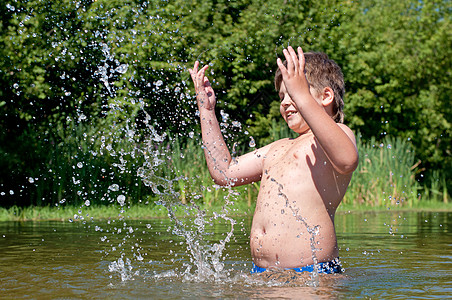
(390, 255)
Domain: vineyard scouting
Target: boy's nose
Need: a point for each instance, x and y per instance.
(286, 102)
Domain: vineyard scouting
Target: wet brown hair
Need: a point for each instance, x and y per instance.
(322, 72)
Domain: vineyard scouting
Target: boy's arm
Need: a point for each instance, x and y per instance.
(224, 171)
(337, 140)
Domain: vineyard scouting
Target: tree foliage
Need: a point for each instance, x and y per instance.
(397, 64)
(104, 65)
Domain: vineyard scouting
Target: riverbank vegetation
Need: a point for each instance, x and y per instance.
(140, 211)
(385, 180)
(97, 109)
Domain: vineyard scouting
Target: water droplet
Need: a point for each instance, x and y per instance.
(122, 68)
(121, 200)
(252, 142)
(114, 187)
(224, 116)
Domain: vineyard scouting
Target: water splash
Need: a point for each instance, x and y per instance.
(123, 267)
(205, 257)
(123, 133)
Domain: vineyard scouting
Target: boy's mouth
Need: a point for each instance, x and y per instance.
(291, 113)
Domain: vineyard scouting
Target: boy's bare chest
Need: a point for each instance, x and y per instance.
(290, 153)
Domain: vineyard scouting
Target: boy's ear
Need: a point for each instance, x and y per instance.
(327, 96)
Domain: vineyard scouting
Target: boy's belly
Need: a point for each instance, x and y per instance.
(286, 243)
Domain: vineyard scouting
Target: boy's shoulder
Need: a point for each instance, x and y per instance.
(347, 131)
(304, 141)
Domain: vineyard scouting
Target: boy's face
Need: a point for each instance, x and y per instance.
(290, 112)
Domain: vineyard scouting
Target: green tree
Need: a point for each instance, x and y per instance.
(78, 75)
(396, 58)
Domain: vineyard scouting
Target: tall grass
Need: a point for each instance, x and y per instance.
(385, 174)
(194, 182)
(93, 168)
(81, 166)
(84, 166)
(436, 188)
(385, 177)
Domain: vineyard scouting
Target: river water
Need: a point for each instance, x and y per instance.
(386, 255)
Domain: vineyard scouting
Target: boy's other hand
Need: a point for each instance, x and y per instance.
(293, 75)
(204, 91)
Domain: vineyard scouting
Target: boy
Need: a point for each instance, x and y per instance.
(303, 180)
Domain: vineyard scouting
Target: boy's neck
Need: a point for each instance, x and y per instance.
(307, 131)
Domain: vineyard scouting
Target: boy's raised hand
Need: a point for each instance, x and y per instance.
(204, 91)
(293, 75)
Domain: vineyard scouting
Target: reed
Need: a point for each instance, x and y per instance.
(436, 188)
(194, 182)
(84, 166)
(384, 175)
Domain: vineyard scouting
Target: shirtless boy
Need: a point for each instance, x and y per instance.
(304, 179)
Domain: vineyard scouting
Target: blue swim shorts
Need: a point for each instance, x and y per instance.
(329, 267)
